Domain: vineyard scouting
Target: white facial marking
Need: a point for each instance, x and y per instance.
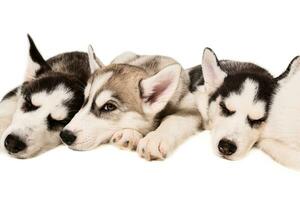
(236, 126)
(103, 97)
(97, 84)
(32, 126)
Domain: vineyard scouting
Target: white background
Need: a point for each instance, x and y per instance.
(264, 32)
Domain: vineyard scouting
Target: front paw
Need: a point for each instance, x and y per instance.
(155, 146)
(126, 138)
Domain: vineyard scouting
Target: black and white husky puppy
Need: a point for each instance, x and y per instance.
(235, 99)
(138, 101)
(32, 115)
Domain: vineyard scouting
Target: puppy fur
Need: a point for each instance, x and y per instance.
(138, 102)
(32, 115)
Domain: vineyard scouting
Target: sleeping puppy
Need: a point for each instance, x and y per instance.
(32, 115)
(138, 102)
(234, 99)
(244, 106)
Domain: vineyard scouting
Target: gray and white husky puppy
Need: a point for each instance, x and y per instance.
(234, 99)
(32, 115)
(138, 102)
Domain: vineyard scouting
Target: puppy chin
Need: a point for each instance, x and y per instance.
(29, 153)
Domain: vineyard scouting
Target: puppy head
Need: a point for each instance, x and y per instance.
(47, 102)
(235, 100)
(119, 96)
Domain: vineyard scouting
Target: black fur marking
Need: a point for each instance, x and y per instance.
(68, 69)
(225, 111)
(49, 83)
(11, 93)
(74, 63)
(56, 125)
(27, 105)
(37, 58)
(196, 78)
(237, 73)
(287, 71)
(255, 123)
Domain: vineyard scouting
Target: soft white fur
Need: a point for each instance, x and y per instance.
(236, 127)
(281, 136)
(173, 130)
(7, 109)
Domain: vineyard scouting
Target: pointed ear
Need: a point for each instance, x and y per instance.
(212, 73)
(94, 62)
(157, 90)
(36, 63)
(291, 70)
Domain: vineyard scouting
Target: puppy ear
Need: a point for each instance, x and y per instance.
(212, 73)
(36, 63)
(94, 62)
(157, 90)
(291, 70)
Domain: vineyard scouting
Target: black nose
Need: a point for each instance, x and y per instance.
(67, 137)
(14, 144)
(227, 147)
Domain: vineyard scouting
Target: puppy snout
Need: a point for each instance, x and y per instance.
(14, 144)
(227, 147)
(68, 137)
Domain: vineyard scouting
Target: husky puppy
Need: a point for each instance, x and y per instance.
(137, 101)
(234, 99)
(32, 115)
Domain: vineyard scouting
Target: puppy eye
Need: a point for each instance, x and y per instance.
(28, 105)
(108, 107)
(54, 124)
(225, 110)
(255, 122)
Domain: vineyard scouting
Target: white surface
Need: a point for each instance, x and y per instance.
(266, 33)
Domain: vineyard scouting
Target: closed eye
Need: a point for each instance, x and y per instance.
(28, 105)
(225, 110)
(54, 124)
(255, 123)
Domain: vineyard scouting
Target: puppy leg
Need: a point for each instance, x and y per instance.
(126, 138)
(173, 130)
(281, 152)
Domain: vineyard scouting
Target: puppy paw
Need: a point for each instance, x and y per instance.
(126, 138)
(155, 146)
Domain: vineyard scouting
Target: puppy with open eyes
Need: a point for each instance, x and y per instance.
(138, 102)
(32, 115)
(243, 106)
